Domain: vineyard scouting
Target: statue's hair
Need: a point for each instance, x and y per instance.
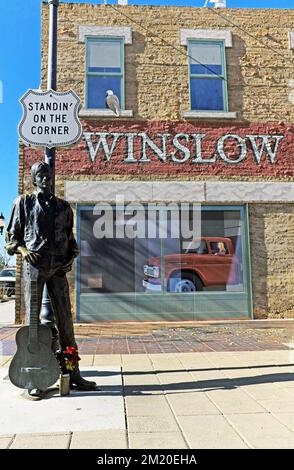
(36, 168)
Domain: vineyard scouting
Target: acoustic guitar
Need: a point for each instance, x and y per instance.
(34, 364)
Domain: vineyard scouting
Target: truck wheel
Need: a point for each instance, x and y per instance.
(187, 284)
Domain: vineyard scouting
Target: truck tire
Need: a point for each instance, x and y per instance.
(187, 283)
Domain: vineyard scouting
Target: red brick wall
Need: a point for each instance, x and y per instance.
(76, 161)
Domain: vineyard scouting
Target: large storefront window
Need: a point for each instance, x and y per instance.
(162, 262)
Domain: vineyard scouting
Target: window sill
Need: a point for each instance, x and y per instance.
(210, 114)
(104, 113)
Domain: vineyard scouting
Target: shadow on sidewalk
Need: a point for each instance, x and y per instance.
(194, 385)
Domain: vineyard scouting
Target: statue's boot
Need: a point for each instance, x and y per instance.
(77, 382)
(33, 394)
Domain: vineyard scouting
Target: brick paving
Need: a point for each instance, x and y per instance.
(150, 338)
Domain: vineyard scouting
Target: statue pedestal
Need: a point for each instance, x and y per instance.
(64, 384)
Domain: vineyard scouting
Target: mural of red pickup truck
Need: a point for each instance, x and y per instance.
(205, 262)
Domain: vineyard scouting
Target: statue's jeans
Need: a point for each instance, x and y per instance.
(49, 270)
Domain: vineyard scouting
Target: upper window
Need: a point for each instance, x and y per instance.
(105, 70)
(207, 70)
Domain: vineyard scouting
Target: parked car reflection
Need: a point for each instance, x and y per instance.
(7, 281)
(195, 268)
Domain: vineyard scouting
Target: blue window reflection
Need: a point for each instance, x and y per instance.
(207, 69)
(97, 87)
(105, 71)
(206, 94)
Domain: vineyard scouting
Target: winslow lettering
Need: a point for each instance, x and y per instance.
(141, 148)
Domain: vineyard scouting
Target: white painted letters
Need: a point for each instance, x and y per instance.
(136, 145)
(265, 145)
(240, 143)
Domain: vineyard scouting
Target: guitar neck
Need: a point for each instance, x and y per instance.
(34, 313)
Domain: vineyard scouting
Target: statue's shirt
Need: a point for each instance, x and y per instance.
(41, 225)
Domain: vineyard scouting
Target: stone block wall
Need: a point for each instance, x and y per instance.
(272, 259)
(260, 64)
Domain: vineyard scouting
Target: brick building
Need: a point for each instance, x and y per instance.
(205, 133)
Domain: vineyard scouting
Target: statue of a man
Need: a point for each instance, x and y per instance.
(40, 229)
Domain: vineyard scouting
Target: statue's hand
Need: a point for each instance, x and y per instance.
(32, 257)
(23, 251)
(68, 265)
(29, 256)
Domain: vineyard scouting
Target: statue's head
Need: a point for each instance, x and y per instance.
(41, 174)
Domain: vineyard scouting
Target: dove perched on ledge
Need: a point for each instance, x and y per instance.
(112, 102)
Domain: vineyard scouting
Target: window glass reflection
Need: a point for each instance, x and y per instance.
(163, 252)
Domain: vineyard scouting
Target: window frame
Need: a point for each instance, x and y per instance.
(209, 76)
(106, 39)
(205, 298)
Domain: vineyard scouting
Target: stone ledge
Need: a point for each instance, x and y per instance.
(214, 34)
(291, 40)
(209, 114)
(104, 113)
(105, 31)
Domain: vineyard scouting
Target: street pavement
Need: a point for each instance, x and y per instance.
(180, 400)
(7, 313)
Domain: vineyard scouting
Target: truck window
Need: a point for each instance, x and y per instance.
(219, 248)
(195, 246)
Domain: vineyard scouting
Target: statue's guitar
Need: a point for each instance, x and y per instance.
(34, 364)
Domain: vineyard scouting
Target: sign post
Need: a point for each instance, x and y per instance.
(47, 314)
(52, 74)
(50, 119)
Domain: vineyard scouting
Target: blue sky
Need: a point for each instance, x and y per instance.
(20, 70)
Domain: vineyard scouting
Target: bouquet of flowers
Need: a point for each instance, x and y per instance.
(68, 359)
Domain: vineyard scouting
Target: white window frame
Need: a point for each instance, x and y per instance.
(187, 35)
(84, 32)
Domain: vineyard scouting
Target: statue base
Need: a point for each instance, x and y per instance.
(64, 384)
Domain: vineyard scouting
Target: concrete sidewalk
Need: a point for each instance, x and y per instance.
(235, 399)
(7, 312)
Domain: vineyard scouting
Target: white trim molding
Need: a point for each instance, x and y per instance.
(291, 40)
(93, 113)
(209, 114)
(179, 191)
(249, 191)
(133, 191)
(96, 31)
(186, 34)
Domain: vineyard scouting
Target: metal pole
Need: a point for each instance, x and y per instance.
(52, 73)
(47, 314)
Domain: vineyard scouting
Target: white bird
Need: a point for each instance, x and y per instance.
(112, 102)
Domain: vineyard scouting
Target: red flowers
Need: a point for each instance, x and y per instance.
(71, 356)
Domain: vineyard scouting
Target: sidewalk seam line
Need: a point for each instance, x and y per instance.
(222, 414)
(281, 422)
(11, 441)
(124, 402)
(251, 446)
(229, 422)
(239, 387)
(174, 415)
(69, 440)
(226, 417)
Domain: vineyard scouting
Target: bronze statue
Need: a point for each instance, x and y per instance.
(40, 229)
